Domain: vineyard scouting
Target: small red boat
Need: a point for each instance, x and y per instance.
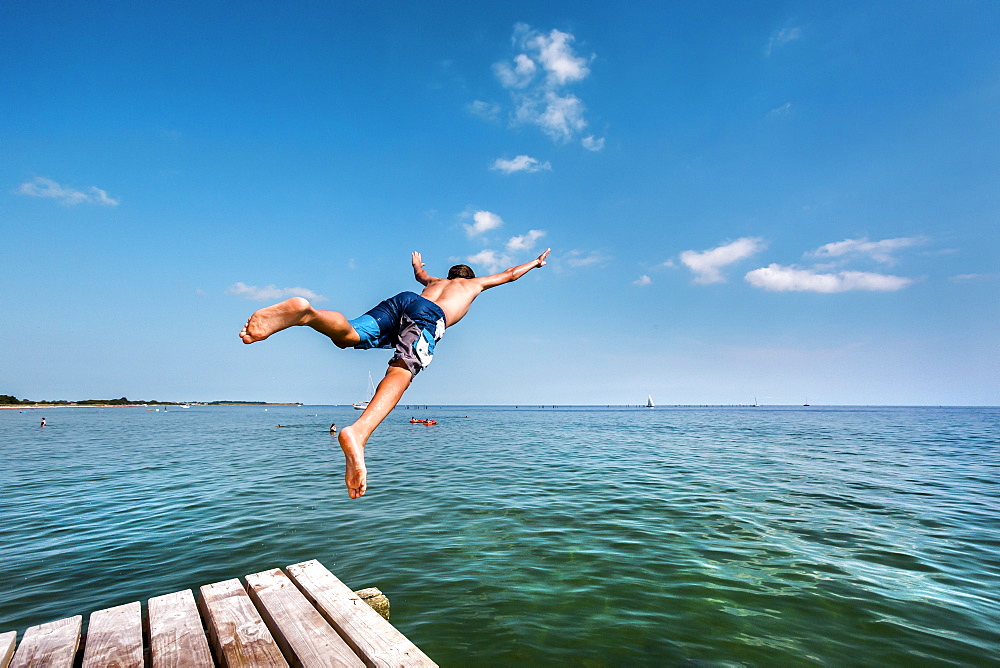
(428, 422)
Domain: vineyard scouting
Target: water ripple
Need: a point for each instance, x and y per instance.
(598, 537)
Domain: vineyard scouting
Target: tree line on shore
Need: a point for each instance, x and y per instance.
(123, 401)
(10, 400)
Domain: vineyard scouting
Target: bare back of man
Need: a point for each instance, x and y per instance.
(455, 294)
(452, 296)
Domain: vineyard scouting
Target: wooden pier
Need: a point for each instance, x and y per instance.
(306, 617)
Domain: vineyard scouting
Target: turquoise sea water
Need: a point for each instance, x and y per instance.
(580, 536)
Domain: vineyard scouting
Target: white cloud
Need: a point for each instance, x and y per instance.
(962, 278)
(518, 76)
(524, 241)
(271, 293)
(592, 143)
(707, 265)
(782, 37)
(521, 163)
(783, 110)
(42, 187)
(483, 221)
(778, 278)
(556, 56)
(490, 260)
(642, 280)
(880, 251)
(542, 100)
(488, 111)
(578, 258)
(559, 116)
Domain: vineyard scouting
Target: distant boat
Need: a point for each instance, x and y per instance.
(361, 405)
(649, 401)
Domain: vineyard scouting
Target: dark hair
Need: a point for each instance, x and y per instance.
(461, 271)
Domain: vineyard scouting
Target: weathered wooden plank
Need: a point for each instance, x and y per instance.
(239, 635)
(176, 637)
(301, 632)
(114, 638)
(7, 642)
(373, 638)
(53, 644)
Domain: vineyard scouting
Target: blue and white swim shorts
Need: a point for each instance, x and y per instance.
(407, 322)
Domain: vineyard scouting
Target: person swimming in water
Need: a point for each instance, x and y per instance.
(410, 323)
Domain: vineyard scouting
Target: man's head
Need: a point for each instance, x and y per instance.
(461, 271)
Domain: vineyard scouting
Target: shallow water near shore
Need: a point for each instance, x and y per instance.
(567, 536)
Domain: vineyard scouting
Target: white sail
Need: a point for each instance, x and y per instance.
(649, 401)
(361, 405)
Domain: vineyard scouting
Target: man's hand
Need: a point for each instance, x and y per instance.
(418, 269)
(541, 258)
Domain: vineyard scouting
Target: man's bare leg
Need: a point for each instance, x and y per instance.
(298, 311)
(353, 438)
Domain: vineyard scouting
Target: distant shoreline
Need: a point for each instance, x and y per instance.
(151, 405)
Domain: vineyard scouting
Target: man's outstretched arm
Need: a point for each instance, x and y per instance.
(418, 269)
(512, 274)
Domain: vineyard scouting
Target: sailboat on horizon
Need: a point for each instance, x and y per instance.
(361, 405)
(649, 401)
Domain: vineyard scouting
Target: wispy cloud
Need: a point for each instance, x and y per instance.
(592, 143)
(880, 251)
(778, 278)
(271, 293)
(43, 187)
(783, 110)
(524, 241)
(642, 280)
(537, 78)
(482, 221)
(561, 117)
(579, 258)
(965, 278)
(518, 76)
(488, 111)
(780, 38)
(522, 163)
(490, 260)
(707, 265)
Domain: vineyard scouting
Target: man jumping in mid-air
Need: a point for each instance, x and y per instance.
(410, 323)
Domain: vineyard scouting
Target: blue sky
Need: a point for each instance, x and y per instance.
(794, 202)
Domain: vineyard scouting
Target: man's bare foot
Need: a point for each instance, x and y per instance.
(356, 475)
(267, 321)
